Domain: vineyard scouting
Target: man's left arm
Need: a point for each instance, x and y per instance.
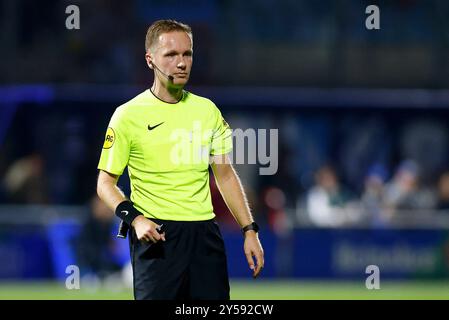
(233, 194)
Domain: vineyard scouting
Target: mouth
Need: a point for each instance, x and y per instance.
(180, 74)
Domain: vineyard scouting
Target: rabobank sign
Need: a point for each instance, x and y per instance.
(346, 253)
(397, 258)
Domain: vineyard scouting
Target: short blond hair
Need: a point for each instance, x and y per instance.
(163, 26)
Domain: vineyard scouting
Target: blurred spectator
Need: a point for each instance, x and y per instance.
(373, 196)
(403, 192)
(274, 199)
(25, 182)
(443, 192)
(425, 141)
(96, 247)
(328, 203)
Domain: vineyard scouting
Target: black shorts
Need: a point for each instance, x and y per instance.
(190, 265)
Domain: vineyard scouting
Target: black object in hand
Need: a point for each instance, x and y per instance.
(123, 229)
(160, 229)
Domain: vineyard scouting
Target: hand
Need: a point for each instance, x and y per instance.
(252, 248)
(146, 230)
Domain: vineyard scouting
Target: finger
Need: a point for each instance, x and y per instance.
(155, 235)
(260, 263)
(250, 260)
(258, 268)
(260, 259)
(163, 236)
(147, 237)
(150, 237)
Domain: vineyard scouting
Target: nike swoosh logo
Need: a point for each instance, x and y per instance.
(153, 127)
(125, 212)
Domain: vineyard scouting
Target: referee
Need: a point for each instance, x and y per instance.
(168, 137)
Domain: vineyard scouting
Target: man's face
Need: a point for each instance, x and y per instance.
(173, 55)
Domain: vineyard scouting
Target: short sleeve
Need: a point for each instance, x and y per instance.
(222, 135)
(117, 145)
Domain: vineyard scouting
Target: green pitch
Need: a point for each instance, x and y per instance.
(257, 290)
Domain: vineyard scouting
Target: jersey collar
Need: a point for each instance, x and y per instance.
(182, 97)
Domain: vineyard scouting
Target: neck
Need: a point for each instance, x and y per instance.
(168, 94)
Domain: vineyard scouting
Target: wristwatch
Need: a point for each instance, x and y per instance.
(253, 226)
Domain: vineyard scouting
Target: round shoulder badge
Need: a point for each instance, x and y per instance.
(109, 139)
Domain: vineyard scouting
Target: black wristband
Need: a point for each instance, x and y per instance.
(252, 226)
(126, 211)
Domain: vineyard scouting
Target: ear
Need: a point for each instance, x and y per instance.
(149, 60)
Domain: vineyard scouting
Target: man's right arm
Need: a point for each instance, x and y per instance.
(109, 192)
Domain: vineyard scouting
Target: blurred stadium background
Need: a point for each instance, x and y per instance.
(363, 175)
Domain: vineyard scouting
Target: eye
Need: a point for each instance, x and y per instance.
(170, 54)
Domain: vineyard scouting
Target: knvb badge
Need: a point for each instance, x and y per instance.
(109, 138)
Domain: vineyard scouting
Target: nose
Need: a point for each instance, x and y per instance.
(181, 63)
